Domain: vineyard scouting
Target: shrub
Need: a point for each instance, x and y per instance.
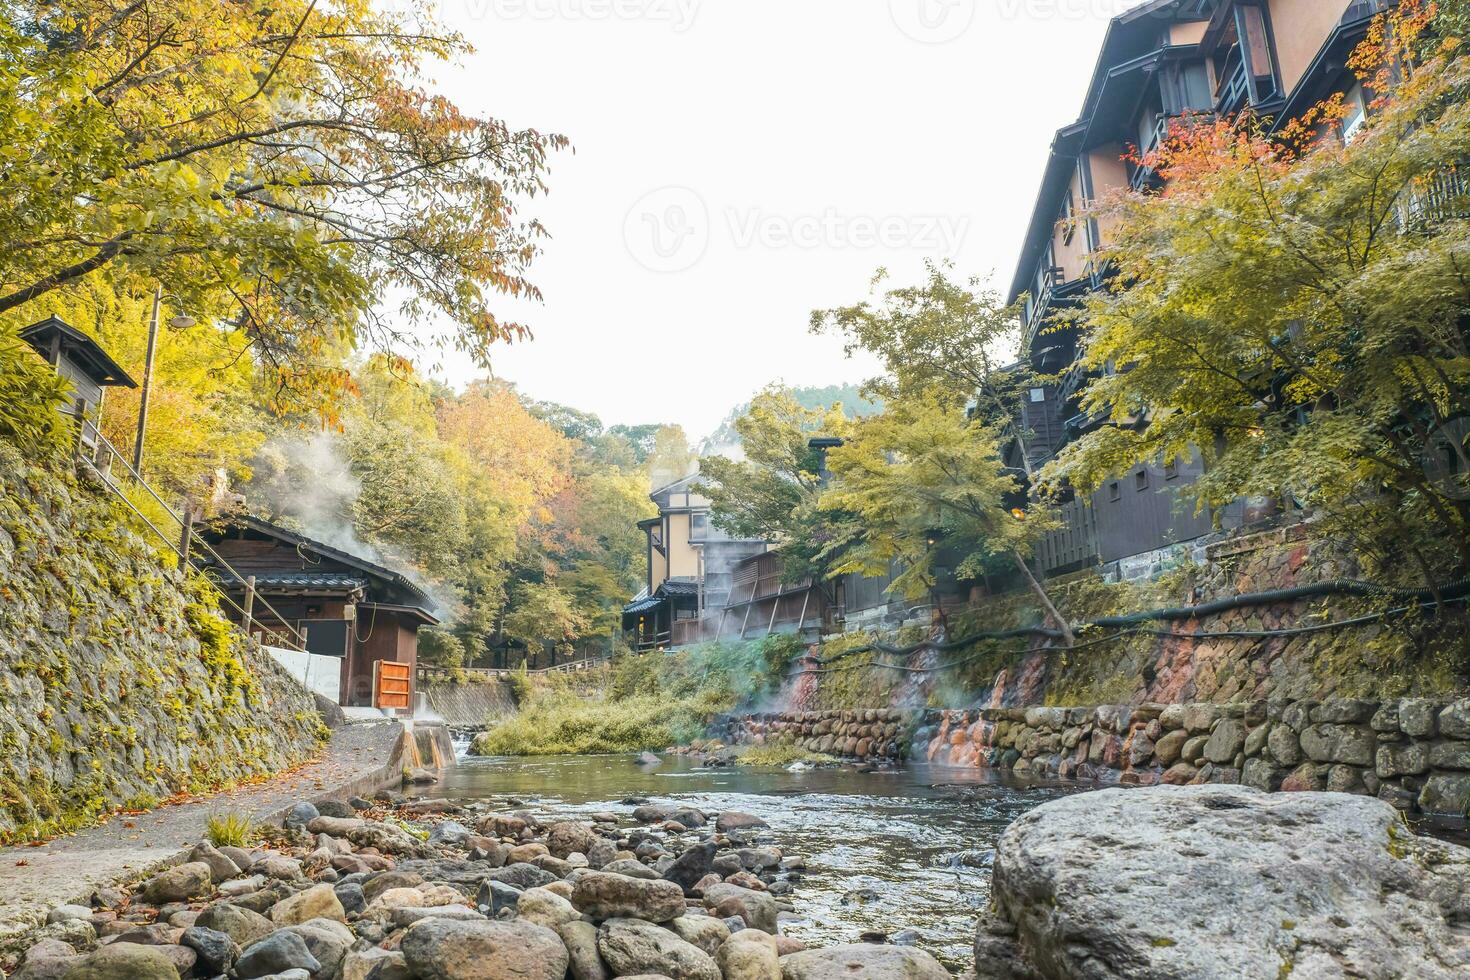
(229, 830)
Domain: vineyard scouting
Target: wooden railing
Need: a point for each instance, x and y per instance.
(99, 455)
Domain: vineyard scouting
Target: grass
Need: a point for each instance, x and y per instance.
(780, 755)
(229, 830)
(564, 724)
(647, 701)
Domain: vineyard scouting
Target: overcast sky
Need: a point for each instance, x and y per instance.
(739, 163)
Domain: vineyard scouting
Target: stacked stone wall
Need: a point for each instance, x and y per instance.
(863, 733)
(120, 684)
(1413, 752)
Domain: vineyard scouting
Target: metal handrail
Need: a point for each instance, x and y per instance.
(292, 639)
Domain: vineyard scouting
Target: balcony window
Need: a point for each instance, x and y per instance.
(1038, 394)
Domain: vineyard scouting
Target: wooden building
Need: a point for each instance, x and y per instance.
(82, 361)
(691, 565)
(1163, 63)
(347, 607)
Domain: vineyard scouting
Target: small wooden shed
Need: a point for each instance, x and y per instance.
(83, 362)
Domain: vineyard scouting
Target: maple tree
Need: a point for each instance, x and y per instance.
(277, 165)
(1293, 309)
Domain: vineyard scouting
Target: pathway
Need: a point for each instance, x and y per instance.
(359, 759)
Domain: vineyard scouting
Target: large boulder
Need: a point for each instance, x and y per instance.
(446, 949)
(631, 946)
(1226, 881)
(316, 902)
(758, 909)
(614, 896)
(568, 837)
(242, 925)
(179, 883)
(861, 961)
(691, 866)
(124, 961)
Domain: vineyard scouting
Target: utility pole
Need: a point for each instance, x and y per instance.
(147, 381)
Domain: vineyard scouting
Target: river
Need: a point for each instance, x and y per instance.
(885, 851)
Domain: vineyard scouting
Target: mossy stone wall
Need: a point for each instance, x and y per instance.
(120, 683)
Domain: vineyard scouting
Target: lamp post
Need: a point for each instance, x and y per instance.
(181, 321)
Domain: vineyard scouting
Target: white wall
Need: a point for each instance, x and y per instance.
(320, 674)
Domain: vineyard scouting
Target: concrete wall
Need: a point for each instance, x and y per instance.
(320, 674)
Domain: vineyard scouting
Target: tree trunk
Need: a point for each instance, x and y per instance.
(1046, 603)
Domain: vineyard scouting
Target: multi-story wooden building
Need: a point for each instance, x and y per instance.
(691, 564)
(1163, 62)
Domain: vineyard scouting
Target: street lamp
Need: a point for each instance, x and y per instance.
(179, 321)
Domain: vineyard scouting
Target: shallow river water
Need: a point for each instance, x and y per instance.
(885, 851)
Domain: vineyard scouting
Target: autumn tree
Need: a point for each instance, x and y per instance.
(771, 492)
(921, 475)
(1294, 310)
(276, 165)
(947, 340)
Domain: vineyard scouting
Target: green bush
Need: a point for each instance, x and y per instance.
(30, 395)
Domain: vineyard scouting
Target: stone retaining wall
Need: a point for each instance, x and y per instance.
(861, 733)
(1413, 753)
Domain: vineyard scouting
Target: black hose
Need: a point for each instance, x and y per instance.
(1450, 592)
(824, 667)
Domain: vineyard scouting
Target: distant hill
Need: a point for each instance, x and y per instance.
(853, 404)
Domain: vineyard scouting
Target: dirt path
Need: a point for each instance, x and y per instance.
(34, 880)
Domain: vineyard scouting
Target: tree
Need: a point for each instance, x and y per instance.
(204, 421)
(1294, 310)
(544, 611)
(772, 492)
(274, 164)
(670, 459)
(954, 342)
(922, 473)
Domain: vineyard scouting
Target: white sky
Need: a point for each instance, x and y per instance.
(739, 163)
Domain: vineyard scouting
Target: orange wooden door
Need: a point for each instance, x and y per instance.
(390, 684)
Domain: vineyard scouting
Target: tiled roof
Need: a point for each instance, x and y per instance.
(311, 580)
(676, 586)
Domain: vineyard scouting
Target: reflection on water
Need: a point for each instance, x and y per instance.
(885, 851)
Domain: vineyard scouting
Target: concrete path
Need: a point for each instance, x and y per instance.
(359, 759)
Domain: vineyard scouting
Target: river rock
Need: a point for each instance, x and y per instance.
(276, 953)
(1228, 882)
(745, 957)
(439, 949)
(124, 961)
(704, 931)
(178, 884)
(688, 868)
(758, 909)
(240, 924)
(316, 902)
(48, 959)
(584, 962)
(542, 907)
(220, 866)
(631, 867)
(521, 876)
(631, 946)
(375, 964)
(860, 961)
(613, 896)
(568, 836)
(217, 952)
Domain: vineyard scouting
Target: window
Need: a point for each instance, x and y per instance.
(1038, 394)
(1356, 113)
(1115, 491)
(1140, 480)
(698, 526)
(1171, 469)
(1069, 218)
